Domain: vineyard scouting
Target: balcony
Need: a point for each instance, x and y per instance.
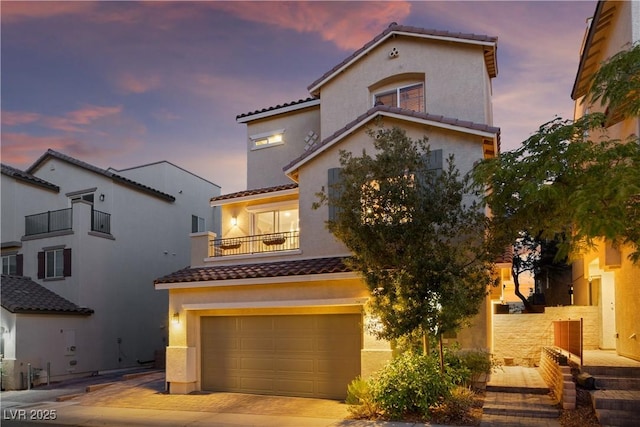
(62, 220)
(48, 222)
(257, 244)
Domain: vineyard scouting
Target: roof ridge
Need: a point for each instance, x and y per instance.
(396, 110)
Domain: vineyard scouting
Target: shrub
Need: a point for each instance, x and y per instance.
(455, 408)
(359, 399)
(409, 384)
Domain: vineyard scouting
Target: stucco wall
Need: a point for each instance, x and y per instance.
(522, 336)
(455, 81)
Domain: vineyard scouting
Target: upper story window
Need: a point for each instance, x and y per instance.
(275, 221)
(197, 224)
(407, 97)
(267, 139)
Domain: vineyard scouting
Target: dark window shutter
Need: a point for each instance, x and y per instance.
(66, 269)
(40, 265)
(19, 265)
(435, 160)
(335, 176)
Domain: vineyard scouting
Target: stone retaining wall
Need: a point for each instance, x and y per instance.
(556, 372)
(520, 337)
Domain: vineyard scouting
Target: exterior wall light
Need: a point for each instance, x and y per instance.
(234, 221)
(176, 318)
(102, 197)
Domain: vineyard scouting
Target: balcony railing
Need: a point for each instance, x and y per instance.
(100, 221)
(47, 222)
(261, 243)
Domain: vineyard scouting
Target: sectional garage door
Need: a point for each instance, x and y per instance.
(301, 355)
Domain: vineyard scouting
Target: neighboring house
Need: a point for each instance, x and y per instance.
(605, 276)
(80, 249)
(269, 306)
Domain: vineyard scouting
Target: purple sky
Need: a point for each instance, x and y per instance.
(123, 83)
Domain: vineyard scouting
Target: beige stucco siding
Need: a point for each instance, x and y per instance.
(315, 239)
(264, 165)
(455, 81)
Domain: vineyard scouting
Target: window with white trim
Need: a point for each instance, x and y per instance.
(54, 263)
(267, 139)
(197, 224)
(406, 97)
(9, 264)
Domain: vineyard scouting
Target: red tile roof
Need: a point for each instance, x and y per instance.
(115, 177)
(380, 109)
(258, 270)
(27, 177)
(394, 28)
(277, 107)
(20, 294)
(254, 192)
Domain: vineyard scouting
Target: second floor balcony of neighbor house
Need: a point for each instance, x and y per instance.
(255, 244)
(62, 220)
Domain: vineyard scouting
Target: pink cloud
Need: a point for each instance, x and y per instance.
(20, 149)
(348, 25)
(129, 83)
(73, 121)
(14, 11)
(17, 118)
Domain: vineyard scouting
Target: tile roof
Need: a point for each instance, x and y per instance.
(301, 267)
(27, 177)
(277, 107)
(20, 294)
(394, 28)
(115, 177)
(254, 192)
(381, 109)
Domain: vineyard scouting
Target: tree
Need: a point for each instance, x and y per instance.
(569, 182)
(416, 235)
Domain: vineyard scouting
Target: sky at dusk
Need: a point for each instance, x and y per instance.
(121, 84)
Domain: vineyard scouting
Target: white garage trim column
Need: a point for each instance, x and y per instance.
(181, 354)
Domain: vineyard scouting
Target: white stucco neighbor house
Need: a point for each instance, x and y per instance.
(81, 247)
(269, 306)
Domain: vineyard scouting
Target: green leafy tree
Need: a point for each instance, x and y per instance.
(569, 183)
(416, 235)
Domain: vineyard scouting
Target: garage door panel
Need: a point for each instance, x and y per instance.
(301, 355)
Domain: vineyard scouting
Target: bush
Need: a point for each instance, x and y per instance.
(467, 366)
(455, 408)
(360, 401)
(409, 385)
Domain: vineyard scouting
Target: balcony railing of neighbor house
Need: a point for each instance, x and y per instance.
(47, 222)
(256, 244)
(100, 221)
(567, 335)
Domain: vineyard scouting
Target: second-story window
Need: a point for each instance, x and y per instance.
(197, 224)
(407, 97)
(54, 263)
(9, 264)
(275, 221)
(267, 139)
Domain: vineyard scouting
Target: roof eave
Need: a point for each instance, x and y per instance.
(258, 196)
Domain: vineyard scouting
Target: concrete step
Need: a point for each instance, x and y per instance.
(512, 389)
(617, 418)
(617, 400)
(612, 371)
(617, 383)
(524, 405)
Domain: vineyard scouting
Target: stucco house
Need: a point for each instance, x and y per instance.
(269, 306)
(81, 246)
(605, 277)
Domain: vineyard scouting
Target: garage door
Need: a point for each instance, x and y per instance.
(302, 355)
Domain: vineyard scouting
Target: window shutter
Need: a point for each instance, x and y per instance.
(66, 269)
(19, 263)
(335, 176)
(40, 265)
(435, 160)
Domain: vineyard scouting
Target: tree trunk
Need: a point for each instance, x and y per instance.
(516, 283)
(441, 354)
(425, 344)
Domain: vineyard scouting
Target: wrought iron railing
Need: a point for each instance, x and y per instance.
(47, 222)
(255, 244)
(100, 221)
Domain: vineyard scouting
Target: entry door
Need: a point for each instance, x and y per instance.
(608, 307)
